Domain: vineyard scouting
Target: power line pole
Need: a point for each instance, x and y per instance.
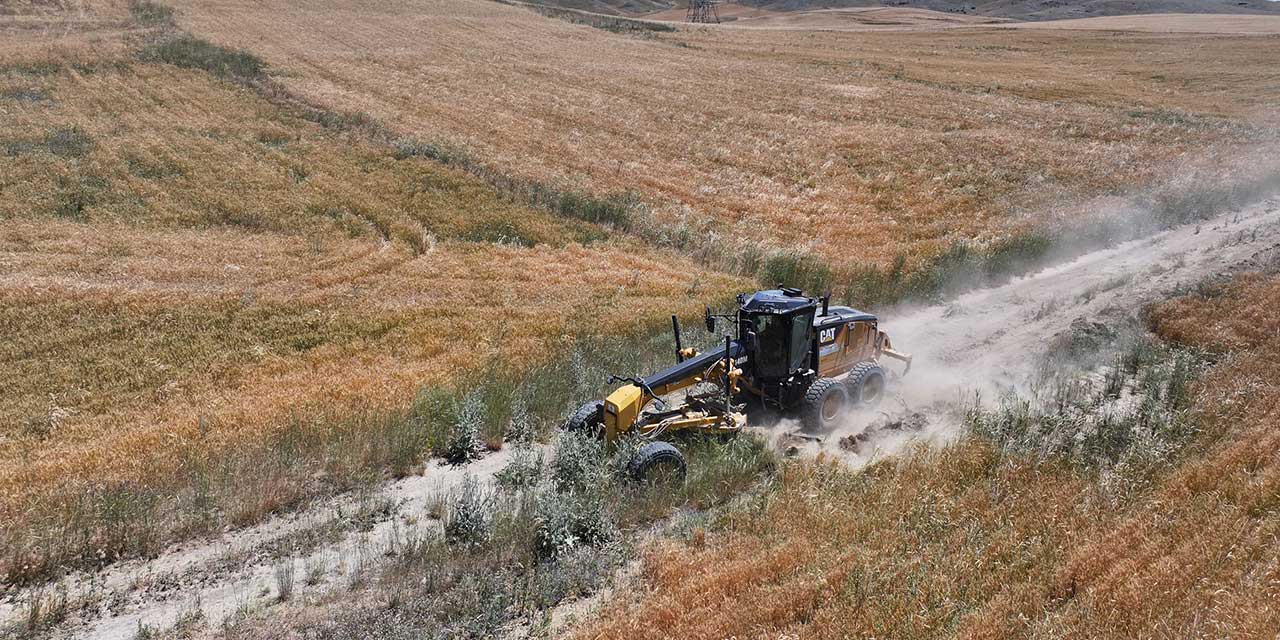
(703, 11)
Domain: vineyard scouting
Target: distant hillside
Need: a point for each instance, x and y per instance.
(1039, 9)
(613, 7)
(1014, 9)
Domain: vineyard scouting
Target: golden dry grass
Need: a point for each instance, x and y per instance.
(851, 19)
(187, 265)
(857, 146)
(972, 543)
(1168, 23)
(157, 146)
(186, 268)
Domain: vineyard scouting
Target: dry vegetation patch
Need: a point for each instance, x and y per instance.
(137, 346)
(858, 147)
(980, 540)
(149, 144)
(197, 284)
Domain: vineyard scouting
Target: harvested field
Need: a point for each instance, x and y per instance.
(185, 269)
(154, 146)
(1168, 23)
(260, 258)
(1173, 535)
(858, 147)
(858, 19)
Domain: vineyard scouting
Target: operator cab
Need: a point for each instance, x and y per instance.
(776, 326)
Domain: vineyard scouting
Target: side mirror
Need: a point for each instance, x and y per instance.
(749, 341)
(710, 320)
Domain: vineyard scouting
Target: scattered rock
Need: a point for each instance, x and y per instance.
(852, 443)
(914, 421)
(791, 443)
(1086, 336)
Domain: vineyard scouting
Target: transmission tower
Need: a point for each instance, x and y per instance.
(703, 11)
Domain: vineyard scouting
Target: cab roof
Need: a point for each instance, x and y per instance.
(778, 301)
(841, 315)
(786, 300)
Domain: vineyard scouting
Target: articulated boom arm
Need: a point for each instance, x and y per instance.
(623, 407)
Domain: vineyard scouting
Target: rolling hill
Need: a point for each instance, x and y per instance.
(1009, 9)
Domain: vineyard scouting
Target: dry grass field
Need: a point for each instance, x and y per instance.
(234, 278)
(859, 147)
(1169, 23)
(859, 18)
(187, 268)
(978, 542)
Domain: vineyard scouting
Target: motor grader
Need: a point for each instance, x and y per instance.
(792, 353)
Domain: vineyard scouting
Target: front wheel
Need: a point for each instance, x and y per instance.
(825, 400)
(657, 462)
(588, 420)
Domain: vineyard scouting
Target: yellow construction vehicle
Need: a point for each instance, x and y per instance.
(792, 353)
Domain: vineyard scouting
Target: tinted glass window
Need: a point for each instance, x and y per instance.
(801, 325)
(771, 344)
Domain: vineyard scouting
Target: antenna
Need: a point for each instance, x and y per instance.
(703, 11)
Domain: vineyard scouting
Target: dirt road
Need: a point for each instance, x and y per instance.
(986, 340)
(990, 341)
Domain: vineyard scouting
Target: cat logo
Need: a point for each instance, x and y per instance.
(827, 335)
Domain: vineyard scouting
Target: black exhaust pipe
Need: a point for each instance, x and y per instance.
(675, 328)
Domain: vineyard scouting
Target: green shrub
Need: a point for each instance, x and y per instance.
(613, 209)
(194, 53)
(1136, 417)
(522, 472)
(796, 269)
(468, 520)
(573, 573)
(341, 120)
(151, 14)
(464, 443)
(614, 24)
(579, 463)
(24, 94)
(573, 519)
(497, 232)
(75, 194)
(523, 429)
(68, 142)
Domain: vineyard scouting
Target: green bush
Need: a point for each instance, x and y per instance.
(190, 52)
(523, 429)
(613, 209)
(522, 472)
(579, 463)
(68, 142)
(22, 94)
(1136, 417)
(151, 14)
(497, 232)
(796, 269)
(468, 520)
(574, 519)
(464, 443)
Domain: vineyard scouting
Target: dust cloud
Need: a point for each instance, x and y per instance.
(990, 342)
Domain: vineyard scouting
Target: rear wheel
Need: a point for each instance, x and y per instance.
(866, 384)
(825, 400)
(657, 462)
(588, 419)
